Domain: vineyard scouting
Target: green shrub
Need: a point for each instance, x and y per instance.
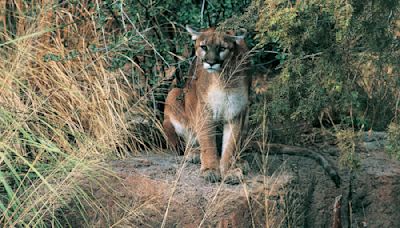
(392, 146)
(340, 57)
(347, 141)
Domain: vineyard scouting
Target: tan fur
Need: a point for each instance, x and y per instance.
(217, 92)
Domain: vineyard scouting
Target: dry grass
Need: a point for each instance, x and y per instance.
(61, 114)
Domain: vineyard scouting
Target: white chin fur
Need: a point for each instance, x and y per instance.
(214, 68)
(206, 66)
(210, 70)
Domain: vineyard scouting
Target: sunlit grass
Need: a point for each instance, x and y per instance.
(62, 114)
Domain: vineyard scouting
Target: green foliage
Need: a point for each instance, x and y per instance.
(159, 26)
(392, 146)
(340, 57)
(347, 141)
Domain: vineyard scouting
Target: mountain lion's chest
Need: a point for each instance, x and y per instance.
(226, 104)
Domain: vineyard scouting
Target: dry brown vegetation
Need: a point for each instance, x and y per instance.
(62, 112)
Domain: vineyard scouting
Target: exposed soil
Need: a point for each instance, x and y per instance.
(162, 190)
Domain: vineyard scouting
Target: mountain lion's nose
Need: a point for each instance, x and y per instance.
(211, 62)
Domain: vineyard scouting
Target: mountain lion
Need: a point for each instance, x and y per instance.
(216, 93)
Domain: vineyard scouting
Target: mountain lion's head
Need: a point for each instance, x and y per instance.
(215, 49)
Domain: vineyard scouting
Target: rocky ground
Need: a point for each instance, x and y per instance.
(280, 191)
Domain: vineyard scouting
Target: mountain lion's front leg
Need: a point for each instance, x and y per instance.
(230, 147)
(205, 130)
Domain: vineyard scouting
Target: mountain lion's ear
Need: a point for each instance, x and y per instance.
(195, 34)
(237, 36)
(240, 35)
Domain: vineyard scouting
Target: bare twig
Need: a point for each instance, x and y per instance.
(202, 13)
(396, 109)
(147, 42)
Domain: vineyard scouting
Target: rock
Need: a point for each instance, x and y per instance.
(370, 136)
(373, 140)
(375, 192)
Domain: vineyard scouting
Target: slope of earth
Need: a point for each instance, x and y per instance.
(279, 191)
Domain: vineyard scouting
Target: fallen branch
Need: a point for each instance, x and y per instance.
(336, 221)
(300, 151)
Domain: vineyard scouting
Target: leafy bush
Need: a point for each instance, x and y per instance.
(393, 140)
(340, 58)
(347, 141)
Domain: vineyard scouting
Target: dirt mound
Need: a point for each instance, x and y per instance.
(295, 191)
(174, 194)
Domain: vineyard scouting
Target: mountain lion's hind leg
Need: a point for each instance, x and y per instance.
(176, 126)
(172, 138)
(173, 113)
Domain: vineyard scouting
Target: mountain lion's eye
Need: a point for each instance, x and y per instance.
(204, 47)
